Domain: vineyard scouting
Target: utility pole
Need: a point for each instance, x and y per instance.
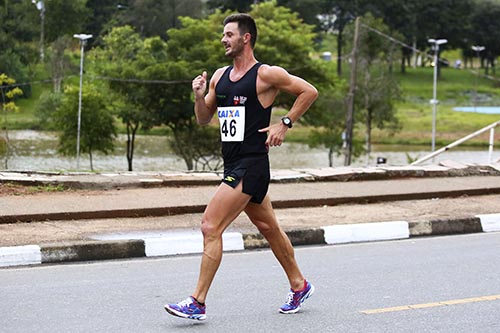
(434, 101)
(40, 5)
(477, 49)
(350, 97)
(83, 40)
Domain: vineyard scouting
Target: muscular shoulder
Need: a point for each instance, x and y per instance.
(273, 75)
(217, 75)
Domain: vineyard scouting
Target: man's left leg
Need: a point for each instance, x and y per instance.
(263, 217)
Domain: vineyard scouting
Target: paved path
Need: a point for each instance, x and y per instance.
(124, 215)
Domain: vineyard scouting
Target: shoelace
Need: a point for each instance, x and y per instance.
(289, 300)
(186, 302)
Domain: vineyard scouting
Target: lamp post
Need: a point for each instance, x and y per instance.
(477, 49)
(83, 40)
(434, 101)
(41, 7)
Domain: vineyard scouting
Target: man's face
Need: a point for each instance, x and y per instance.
(232, 41)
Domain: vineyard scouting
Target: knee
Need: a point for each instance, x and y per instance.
(268, 229)
(209, 229)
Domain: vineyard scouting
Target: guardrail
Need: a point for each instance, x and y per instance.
(490, 127)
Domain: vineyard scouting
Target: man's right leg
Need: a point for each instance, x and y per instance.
(223, 208)
(226, 204)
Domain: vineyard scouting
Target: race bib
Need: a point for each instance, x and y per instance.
(232, 123)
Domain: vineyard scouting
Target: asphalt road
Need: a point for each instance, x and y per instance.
(438, 284)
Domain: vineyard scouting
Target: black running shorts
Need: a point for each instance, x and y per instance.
(255, 172)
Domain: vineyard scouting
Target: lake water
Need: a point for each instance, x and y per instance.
(37, 151)
(479, 109)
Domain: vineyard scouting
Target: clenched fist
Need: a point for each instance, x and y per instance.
(200, 84)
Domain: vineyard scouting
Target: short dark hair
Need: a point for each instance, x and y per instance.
(246, 23)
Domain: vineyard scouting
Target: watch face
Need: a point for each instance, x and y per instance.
(287, 121)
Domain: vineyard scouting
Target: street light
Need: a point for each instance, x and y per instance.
(434, 100)
(41, 7)
(83, 40)
(478, 50)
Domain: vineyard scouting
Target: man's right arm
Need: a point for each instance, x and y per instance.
(205, 106)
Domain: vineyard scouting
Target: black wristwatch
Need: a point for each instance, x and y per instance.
(287, 121)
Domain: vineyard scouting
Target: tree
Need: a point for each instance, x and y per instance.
(308, 10)
(64, 18)
(46, 108)
(104, 15)
(418, 21)
(97, 123)
(485, 31)
(16, 35)
(376, 88)
(329, 16)
(153, 18)
(241, 6)
(59, 62)
(117, 57)
(171, 104)
(8, 92)
(327, 117)
(286, 41)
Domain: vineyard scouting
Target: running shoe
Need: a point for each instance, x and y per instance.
(188, 308)
(296, 298)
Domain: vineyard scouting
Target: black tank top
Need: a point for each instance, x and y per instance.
(231, 98)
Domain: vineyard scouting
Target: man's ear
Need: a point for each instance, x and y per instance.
(247, 37)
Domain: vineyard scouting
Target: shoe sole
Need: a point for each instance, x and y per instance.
(185, 316)
(309, 294)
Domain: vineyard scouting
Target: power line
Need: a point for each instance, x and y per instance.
(140, 81)
(13, 85)
(396, 41)
(108, 78)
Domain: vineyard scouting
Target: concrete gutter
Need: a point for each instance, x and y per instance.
(107, 181)
(173, 245)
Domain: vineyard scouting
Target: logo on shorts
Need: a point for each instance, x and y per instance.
(229, 179)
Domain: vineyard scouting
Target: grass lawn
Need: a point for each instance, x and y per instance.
(454, 88)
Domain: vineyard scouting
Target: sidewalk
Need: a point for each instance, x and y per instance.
(125, 215)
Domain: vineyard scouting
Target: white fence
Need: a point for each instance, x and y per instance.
(490, 128)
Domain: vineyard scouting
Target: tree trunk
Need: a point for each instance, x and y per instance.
(6, 128)
(339, 53)
(185, 151)
(131, 131)
(403, 67)
(368, 135)
(91, 160)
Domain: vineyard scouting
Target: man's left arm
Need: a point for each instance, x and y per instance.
(306, 94)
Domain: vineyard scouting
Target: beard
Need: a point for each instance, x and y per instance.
(235, 50)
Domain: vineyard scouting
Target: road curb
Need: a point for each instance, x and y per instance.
(278, 204)
(107, 181)
(92, 250)
(149, 247)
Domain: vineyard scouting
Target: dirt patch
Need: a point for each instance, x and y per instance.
(11, 189)
(7, 189)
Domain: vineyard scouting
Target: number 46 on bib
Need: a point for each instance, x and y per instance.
(232, 123)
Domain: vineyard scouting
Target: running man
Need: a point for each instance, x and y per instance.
(242, 96)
